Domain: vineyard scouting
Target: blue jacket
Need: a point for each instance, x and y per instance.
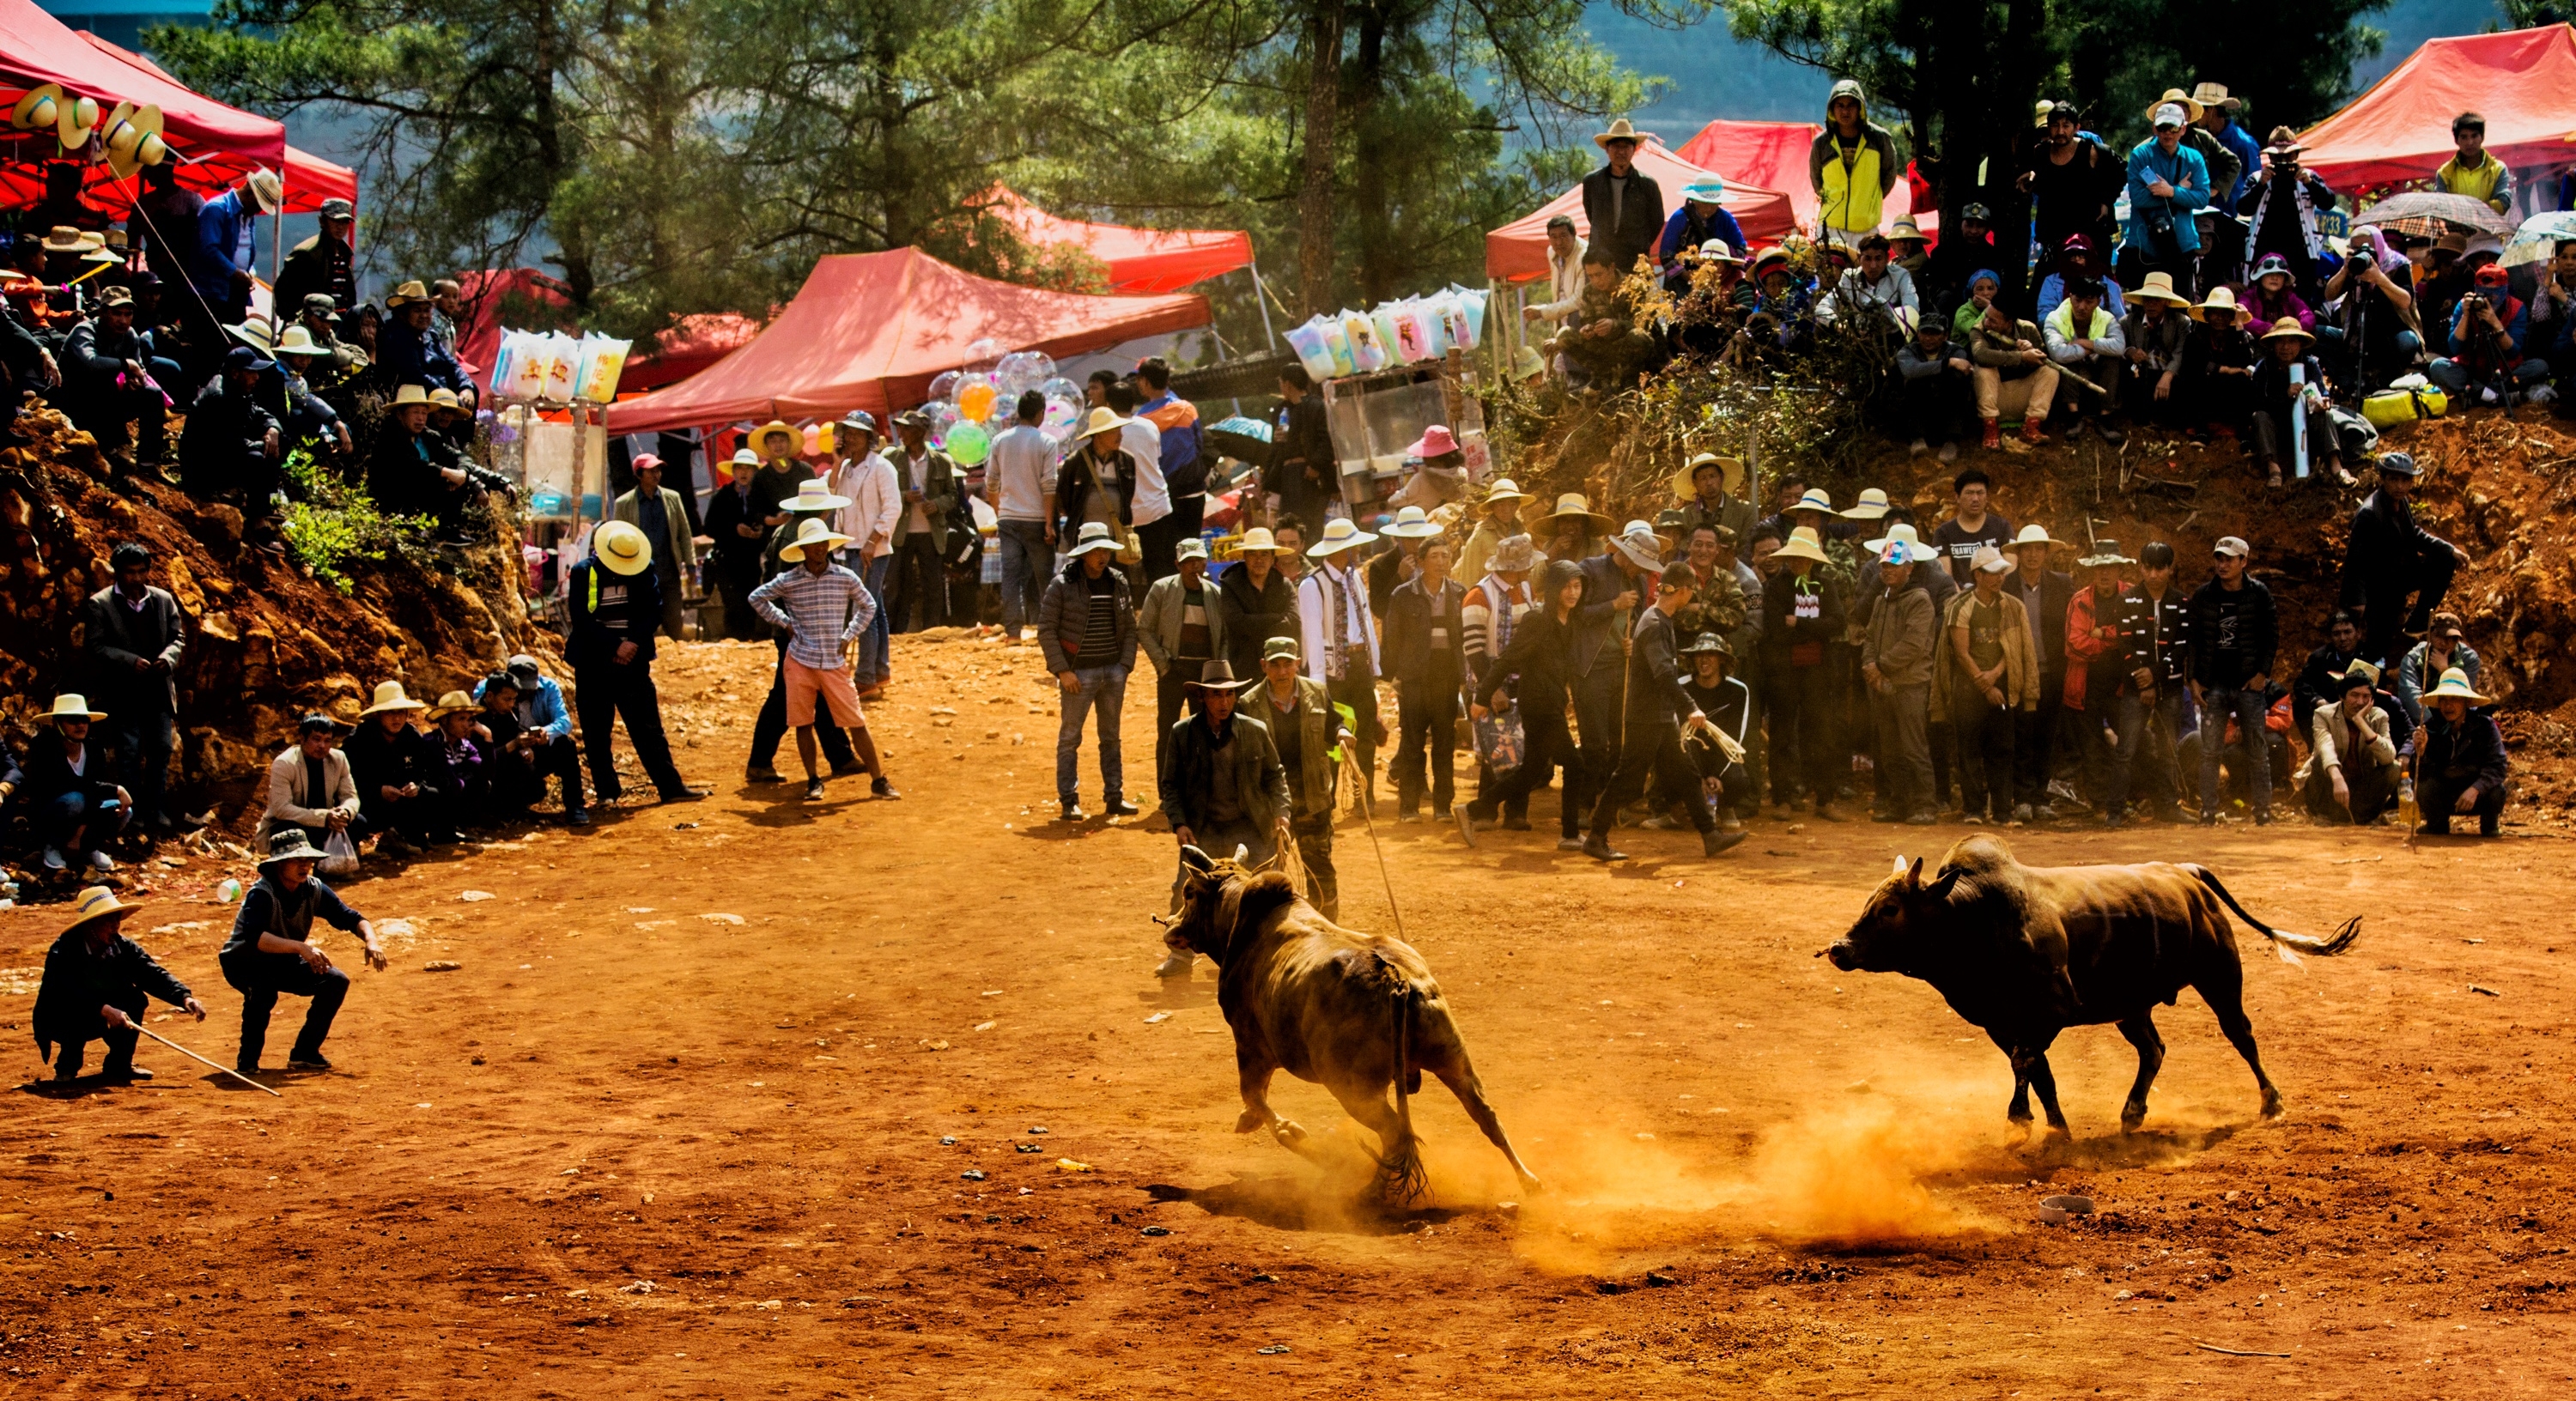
(1719, 224)
(405, 356)
(224, 244)
(542, 713)
(1180, 446)
(2052, 290)
(2189, 176)
(2248, 150)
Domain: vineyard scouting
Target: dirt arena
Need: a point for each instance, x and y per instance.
(681, 1125)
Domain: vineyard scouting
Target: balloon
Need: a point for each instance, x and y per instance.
(1024, 370)
(944, 385)
(1062, 413)
(983, 353)
(942, 418)
(1061, 388)
(968, 445)
(975, 396)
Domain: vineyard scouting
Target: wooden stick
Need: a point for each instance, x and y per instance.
(2234, 1352)
(201, 1060)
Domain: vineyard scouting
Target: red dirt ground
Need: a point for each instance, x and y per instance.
(701, 1155)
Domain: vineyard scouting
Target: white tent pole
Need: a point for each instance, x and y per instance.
(1261, 297)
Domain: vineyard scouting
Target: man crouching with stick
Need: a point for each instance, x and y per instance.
(96, 984)
(271, 951)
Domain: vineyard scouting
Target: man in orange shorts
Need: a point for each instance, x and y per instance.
(824, 608)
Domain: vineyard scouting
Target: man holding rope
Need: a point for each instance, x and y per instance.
(1222, 785)
(271, 951)
(96, 984)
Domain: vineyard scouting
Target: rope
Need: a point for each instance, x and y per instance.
(1351, 762)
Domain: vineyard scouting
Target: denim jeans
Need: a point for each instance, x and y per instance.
(1027, 560)
(2134, 713)
(2453, 376)
(1102, 689)
(2218, 706)
(876, 661)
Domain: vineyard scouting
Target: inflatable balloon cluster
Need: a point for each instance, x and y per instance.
(1391, 333)
(969, 407)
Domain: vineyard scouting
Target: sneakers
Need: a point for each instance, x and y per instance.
(1949, 452)
(813, 790)
(1409, 816)
(54, 860)
(1716, 843)
(101, 862)
(1176, 964)
(1569, 844)
(1118, 807)
(577, 817)
(1466, 824)
(1921, 819)
(883, 787)
(1917, 448)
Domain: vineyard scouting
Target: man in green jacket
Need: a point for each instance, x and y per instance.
(1180, 631)
(1222, 784)
(1306, 732)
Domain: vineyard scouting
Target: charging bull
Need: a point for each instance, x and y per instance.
(1353, 1012)
(2023, 952)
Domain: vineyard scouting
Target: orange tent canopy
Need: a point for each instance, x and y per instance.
(1517, 251)
(2523, 80)
(1772, 155)
(870, 331)
(1141, 261)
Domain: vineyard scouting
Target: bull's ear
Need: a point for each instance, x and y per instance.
(1913, 874)
(1196, 859)
(1940, 889)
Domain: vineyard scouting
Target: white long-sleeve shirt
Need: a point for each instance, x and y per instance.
(875, 500)
(1144, 442)
(1564, 281)
(1324, 661)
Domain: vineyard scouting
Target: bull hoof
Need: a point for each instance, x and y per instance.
(1289, 1133)
(2272, 1106)
(2131, 1116)
(1249, 1120)
(1531, 1186)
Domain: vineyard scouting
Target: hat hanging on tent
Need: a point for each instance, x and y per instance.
(134, 139)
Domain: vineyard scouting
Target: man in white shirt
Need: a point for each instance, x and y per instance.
(1565, 250)
(868, 480)
(1142, 441)
(1341, 637)
(1877, 291)
(1019, 484)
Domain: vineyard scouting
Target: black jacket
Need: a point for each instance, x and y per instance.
(48, 768)
(2056, 591)
(1064, 614)
(1252, 617)
(729, 508)
(2233, 635)
(628, 608)
(2386, 550)
(318, 264)
(79, 981)
(1078, 478)
(1412, 613)
(1189, 773)
(2320, 683)
(1603, 582)
(95, 355)
(2154, 635)
(117, 636)
(378, 761)
(1655, 694)
(1640, 225)
(2470, 753)
(1541, 660)
(1782, 629)
(225, 447)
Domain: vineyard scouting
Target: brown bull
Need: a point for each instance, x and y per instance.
(2023, 952)
(1352, 1012)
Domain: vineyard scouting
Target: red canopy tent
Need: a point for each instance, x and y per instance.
(214, 145)
(870, 331)
(1517, 251)
(2524, 80)
(691, 344)
(1772, 155)
(1141, 261)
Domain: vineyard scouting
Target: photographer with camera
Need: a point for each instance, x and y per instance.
(2487, 331)
(2283, 199)
(2168, 183)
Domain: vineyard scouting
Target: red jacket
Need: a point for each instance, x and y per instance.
(2087, 641)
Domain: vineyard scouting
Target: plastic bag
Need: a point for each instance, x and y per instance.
(1501, 740)
(339, 855)
(1313, 351)
(599, 362)
(1366, 352)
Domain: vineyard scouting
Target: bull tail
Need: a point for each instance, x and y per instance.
(2288, 945)
(1401, 1179)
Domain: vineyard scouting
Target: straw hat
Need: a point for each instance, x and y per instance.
(2215, 95)
(1815, 499)
(623, 547)
(2032, 534)
(406, 294)
(2455, 686)
(298, 341)
(2179, 98)
(2159, 288)
(1505, 489)
(1573, 504)
(1639, 542)
(1905, 230)
(1901, 531)
(744, 457)
(1803, 544)
(36, 107)
(445, 398)
(72, 705)
(1872, 505)
(1103, 420)
(1411, 523)
(1718, 250)
(75, 118)
(759, 437)
(97, 903)
(1989, 560)
(454, 703)
(1339, 535)
(389, 696)
(63, 238)
(1257, 541)
(813, 495)
(1093, 538)
(1730, 474)
(254, 332)
(134, 139)
(2220, 299)
(1621, 130)
(268, 189)
(811, 531)
(2289, 327)
(409, 394)
(2106, 555)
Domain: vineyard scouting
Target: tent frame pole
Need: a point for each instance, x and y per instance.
(1261, 298)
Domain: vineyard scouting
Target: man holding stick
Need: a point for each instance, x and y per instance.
(271, 951)
(96, 984)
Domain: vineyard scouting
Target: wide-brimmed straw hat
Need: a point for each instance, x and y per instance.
(1411, 523)
(267, 189)
(299, 341)
(63, 238)
(1814, 499)
(407, 293)
(1803, 543)
(1103, 420)
(2288, 326)
(254, 332)
(2033, 534)
(37, 106)
(1621, 130)
(1872, 505)
(759, 437)
(1093, 538)
(2221, 298)
(812, 531)
(454, 703)
(1339, 535)
(2209, 94)
(1730, 472)
(72, 705)
(1902, 530)
(389, 696)
(289, 844)
(2159, 287)
(1258, 541)
(97, 903)
(2190, 107)
(1504, 489)
(813, 495)
(2454, 685)
(1573, 503)
(623, 547)
(1905, 230)
(1639, 542)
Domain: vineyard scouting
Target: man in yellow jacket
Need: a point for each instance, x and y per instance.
(1985, 668)
(1852, 166)
(2472, 171)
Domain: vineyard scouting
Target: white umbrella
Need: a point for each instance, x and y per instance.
(2539, 237)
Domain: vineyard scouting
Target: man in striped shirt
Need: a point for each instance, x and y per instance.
(824, 609)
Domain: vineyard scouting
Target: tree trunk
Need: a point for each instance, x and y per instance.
(1315, 190)
(1368, 158)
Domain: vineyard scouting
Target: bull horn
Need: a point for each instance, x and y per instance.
(1195, 859)
(1240, 852)
(1900, 866)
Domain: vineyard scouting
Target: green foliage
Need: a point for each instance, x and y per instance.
(330, 524)
(2531, 14)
